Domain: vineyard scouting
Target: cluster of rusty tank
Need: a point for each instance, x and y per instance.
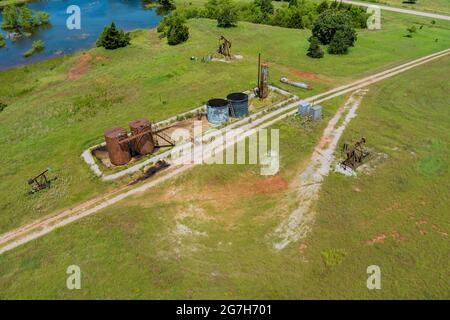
(121, 146)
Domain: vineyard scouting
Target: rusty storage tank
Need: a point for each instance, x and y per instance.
(143, 144)
(217, 110)
(119, 153)
(238, 103)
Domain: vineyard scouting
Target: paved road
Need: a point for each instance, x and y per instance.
(394, 9)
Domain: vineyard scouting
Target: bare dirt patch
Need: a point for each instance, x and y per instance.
(81, 67)
(378, 239)
(271, 185)
(305, 75)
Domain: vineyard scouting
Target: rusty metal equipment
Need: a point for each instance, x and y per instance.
(39, 182)
(158, 166)
(119, 152)
(354, 154)
(263, 79)
(143, 140)
(142, 144)
(160, 134)
(224, 47)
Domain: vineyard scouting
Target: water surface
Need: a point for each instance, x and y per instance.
(95, 15)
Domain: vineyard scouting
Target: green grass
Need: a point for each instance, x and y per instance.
(132, 250)
(50, 120)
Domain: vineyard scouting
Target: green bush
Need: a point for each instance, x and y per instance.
(174, 28)
(339, 44)
(333, 257)
(2, 41)
(331, 21)
(111, 38)
(227, 15)
(314, 50)
(37, 46)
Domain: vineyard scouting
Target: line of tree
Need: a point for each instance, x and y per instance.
(22, 19)
(297, 14)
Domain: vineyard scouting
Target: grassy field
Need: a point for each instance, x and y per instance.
(50, 119)
(231, 210)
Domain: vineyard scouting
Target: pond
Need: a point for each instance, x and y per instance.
(95, 15)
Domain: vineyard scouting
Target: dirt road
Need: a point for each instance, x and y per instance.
(46, 225)
(400, 10)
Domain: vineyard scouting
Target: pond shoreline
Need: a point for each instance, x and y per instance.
(59, 40)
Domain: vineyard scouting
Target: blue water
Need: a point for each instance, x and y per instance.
(95, 15)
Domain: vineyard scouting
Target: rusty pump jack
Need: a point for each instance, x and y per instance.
(262, 90)
(224, 47)
(40, 181)
(354, 154)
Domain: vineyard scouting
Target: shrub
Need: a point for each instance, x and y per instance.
(111, 38)
(37, 46)
(331, 21)
(333, 257)
(2, 41)
(314, 50)
(339, 44)
(2, 106)
(173, 27)
(178, 34)
(227, 16)
(266, 6)
(323, 6)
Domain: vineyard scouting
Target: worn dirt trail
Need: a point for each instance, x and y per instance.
(299, 221)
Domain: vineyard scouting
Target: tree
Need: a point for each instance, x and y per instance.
(339, 44)
(323, 6)
(212, 9)
(168, 4)
(111, 38)
(227, 15)
(331, 21)
(174, 29)
(266, 6)
(10, 18)
(23, 18)
(2, 41)
(314, 50)
(293, 3)
(178, 34)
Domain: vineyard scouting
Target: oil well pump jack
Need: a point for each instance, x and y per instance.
(224, 47)
(40, 182)
(262, 90)
(354, 154)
